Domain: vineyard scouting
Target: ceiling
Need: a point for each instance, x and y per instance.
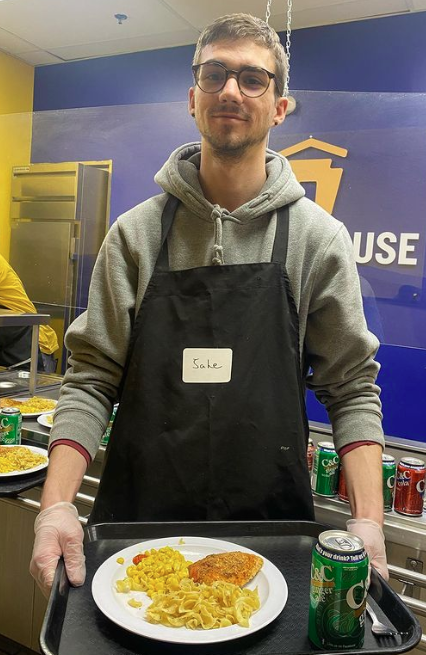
(44, 32)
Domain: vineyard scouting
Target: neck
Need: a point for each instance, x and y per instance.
(231, 181)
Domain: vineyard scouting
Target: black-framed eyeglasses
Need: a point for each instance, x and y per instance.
(252, 81)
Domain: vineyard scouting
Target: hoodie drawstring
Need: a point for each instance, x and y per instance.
(217, 258)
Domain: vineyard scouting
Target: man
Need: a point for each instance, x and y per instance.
(15, 342)
(209, 304)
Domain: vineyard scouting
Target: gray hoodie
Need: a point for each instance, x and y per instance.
(334, 340)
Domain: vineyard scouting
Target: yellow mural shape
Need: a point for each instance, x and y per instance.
(327, 179)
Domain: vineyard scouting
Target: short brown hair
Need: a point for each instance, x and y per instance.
(245, 26)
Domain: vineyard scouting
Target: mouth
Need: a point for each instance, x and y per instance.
(232, 117)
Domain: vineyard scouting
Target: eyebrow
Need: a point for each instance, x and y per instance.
(218, 61)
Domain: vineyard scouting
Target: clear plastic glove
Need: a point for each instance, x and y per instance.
(58, 532)
(374, 542)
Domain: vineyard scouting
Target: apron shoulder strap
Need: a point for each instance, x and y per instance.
(162, 263)
(279, 251)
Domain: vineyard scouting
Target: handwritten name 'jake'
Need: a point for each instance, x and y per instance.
(207, 365)
(197, 364)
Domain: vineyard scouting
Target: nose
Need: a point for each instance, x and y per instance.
(231, 91)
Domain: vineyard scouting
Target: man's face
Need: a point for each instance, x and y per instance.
(227, 120)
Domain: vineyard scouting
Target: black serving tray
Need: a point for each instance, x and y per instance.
(73, 625)
(15, 484)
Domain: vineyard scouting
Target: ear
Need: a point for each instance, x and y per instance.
(191, 101)
(280, 110)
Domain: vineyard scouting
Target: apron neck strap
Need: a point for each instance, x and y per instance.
(279, 251)
(167, 217)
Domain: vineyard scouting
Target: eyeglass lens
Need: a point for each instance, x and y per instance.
(211, 78)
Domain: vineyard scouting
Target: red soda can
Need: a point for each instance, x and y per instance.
(410, 486)
(341, 490)
(310, 454)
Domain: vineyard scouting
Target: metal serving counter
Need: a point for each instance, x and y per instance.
(399, 529)
(405, 537)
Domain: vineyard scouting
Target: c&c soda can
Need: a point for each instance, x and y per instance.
(325, 471)
(339, 585)
(10, 426)
(341, 490)
(310, 454)
(106, 435)
(389, 471)
(410, 486)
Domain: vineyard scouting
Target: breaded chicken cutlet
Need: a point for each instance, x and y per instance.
(235, 567)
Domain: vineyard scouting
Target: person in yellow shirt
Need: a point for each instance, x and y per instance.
(15, 342)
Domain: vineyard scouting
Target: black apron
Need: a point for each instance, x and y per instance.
(234, 450)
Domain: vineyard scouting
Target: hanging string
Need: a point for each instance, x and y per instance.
(288, 39)
(287, 46)
(268, 11)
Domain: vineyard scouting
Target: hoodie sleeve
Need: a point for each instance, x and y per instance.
(340, 350)
(98, 341)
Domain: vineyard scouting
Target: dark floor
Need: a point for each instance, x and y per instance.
(8, 647)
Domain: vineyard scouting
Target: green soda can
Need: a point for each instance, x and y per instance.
(339, 586)
(107, 433)
(389, 474)
(10, 426)
(325, 474)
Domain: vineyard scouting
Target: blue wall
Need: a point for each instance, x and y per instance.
(137, 78)
(384, 54)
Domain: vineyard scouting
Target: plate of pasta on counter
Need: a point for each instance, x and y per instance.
(21, 460)
(30, 407)
(189, 590)
(46, 420)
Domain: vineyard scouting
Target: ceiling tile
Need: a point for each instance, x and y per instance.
(347, 11)
(12, 43)
(55, 23)
(39, 57)
(121, 46)
(200, 13)
(308, 4)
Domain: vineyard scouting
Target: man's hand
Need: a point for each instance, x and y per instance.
(58, 532)
(364, 481)
(374, 542)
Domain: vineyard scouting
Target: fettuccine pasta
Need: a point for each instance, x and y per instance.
(194, 605)
(19, 458)
(31, 405)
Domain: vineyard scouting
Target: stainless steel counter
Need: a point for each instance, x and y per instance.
(405, 536)
(399, 529)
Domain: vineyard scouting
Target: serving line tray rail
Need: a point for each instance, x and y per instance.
(74, 625)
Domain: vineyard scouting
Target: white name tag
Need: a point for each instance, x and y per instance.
(207, 365)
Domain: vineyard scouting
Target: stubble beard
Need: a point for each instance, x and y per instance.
(227, 146)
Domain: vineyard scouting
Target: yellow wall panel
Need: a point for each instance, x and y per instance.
(16, 105)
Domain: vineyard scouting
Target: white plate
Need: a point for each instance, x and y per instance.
(270, 582)
(42, 419)
(34, 449)
(35, 414)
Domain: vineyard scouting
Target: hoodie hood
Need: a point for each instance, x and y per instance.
(179, 177)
